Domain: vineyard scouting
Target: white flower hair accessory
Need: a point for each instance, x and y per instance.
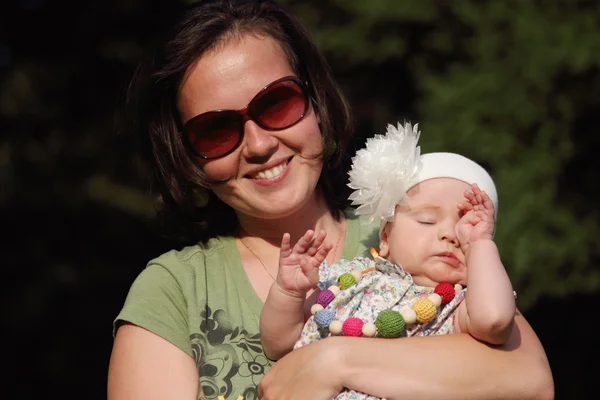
(382, 173)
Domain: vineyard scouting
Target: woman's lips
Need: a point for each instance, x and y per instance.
(282, 170)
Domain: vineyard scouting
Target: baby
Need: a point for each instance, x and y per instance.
(437, 214)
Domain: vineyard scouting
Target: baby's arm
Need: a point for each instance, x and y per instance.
(282, 316)
(489, 308)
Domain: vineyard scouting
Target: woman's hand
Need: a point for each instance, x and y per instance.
(306, 373)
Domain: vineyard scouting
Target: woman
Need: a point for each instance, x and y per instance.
(247, 135)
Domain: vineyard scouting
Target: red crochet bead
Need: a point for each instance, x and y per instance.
(446, 292)
(352, 327)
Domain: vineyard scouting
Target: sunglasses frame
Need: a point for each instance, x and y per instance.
(246, 114)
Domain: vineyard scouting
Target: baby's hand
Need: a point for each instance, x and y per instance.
(299, 266)
(477, 222)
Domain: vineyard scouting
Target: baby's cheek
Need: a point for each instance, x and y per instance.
(422, 247)
(403, 256)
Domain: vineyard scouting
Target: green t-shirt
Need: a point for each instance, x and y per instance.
(200, 299)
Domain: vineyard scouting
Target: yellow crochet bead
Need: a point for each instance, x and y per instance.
(425, 310)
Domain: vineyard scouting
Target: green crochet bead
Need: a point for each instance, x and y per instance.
(390, 324)
(346, 280)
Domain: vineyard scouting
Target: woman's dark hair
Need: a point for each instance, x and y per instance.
(153, 117)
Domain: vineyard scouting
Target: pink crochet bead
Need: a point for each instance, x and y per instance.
(325, 297)
(352, 327)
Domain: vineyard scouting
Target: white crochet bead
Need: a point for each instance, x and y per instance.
(435, 299)
(369, 330)
(334, 289)
(315, 308)
(409, 315)
(335, 327)
(357, 275)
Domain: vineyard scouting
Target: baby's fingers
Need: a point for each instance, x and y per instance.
(475, 189)
(464, 206)
(475, 195)
(316, 243)
(317, 259)
(285, 244)
(470, 196)
(488, 204)
(323, 251)
(304, 242)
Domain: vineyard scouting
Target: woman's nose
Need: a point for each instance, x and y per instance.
(257, 141)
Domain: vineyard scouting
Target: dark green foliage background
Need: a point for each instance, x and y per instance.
(511, 84)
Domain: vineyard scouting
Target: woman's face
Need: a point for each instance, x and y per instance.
(272, 173)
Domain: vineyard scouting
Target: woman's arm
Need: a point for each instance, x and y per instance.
(145, 366)
(436, 367)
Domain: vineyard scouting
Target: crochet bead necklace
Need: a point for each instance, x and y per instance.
(389, 323)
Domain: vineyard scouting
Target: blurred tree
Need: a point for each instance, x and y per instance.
(509, 84)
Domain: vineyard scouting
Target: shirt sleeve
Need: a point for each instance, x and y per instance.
(156, 301)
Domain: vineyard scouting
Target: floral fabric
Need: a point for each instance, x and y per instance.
(387, 287)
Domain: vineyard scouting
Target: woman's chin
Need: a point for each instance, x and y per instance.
(273, 209)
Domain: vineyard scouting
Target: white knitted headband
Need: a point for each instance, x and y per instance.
(451, 165)
(390, 165)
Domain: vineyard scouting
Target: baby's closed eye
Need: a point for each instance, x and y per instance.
(425, 218)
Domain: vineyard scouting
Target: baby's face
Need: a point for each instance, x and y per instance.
(422, 236)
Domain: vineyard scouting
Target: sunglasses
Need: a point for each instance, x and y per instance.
(279, 105)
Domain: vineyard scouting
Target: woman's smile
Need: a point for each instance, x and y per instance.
(273, 175)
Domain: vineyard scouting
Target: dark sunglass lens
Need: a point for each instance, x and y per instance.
(215, 134)
(280, 106)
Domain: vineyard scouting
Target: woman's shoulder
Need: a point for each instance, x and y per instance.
(192, 257)
(367, 231)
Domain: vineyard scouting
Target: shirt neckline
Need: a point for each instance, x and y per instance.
(243, 282)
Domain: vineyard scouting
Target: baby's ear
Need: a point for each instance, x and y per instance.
(384, 247)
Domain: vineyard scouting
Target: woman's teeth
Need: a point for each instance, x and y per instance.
(270, 173)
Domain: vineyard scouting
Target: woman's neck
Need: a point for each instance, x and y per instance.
(314, 215)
